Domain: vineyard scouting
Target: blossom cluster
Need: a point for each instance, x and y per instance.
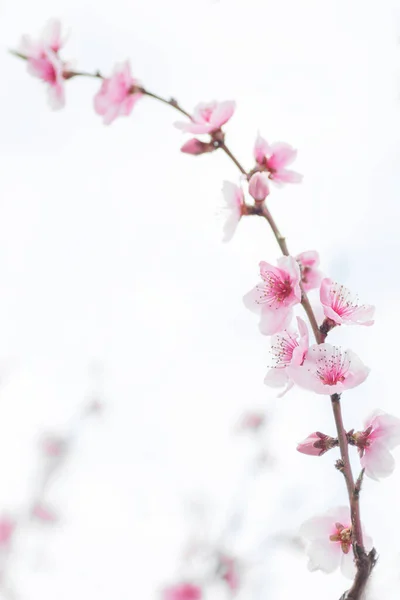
(319, 367)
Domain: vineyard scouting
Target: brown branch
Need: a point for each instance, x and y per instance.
(364, 562)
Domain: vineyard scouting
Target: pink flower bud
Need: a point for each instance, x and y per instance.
(258, 186)
(316, 444)
(196, 147)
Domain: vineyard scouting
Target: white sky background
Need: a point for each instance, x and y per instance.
(110, 250)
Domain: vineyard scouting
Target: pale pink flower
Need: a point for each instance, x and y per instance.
(228, 570)
(208, 117)
(329, 542)
(118, 94)
(44, 513)
(311, 276)
(182, 591)
(274, 158)
(7, 528)
(288, 348)
(43, 61)
(197, 147)
(381, 434)
(341, 307)
(251, 421)
(329, 370)
(53, 446)
(274, 298)
(235, 206)
(316, 444)
(258, 186)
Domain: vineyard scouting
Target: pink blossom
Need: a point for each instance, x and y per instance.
(7, 528)
(197, 147)
(274, 158)
(258, 186)
(44, 513)
(208, 117)
(274, 298)
(329, 542)
(340, 307)
(183, 591)
(287, 349)
(43, 61)
(235, 207)
(229, 572)
(381, 434)
(329, 370)
(310, 274)
(252, 421)
(118, 94)
(316, 444)
(53, 445)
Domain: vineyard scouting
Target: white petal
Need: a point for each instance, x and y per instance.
(324, 555)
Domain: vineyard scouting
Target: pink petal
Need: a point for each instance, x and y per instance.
(222, 113)
(386, 427)
(273, 321)
(276, 378)
(282, 154)
(230, 227)
(52, 34)
(309, 258)
(286, 176)
(261, 149)
(377, 461)
(323, 556)
(347, 565)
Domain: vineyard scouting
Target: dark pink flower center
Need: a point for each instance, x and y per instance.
(275, 290)
(334, 368)
(206, 114)
(342, 302)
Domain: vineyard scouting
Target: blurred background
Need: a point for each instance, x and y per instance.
(115, 286)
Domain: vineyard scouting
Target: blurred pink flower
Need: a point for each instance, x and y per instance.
(329, 370)
(53, 445)
(310, 274)
(340, 307)
(316, 444)
(274, 298)
(287, 349)
(182, 591)
(208, 117)
(229, 572)
(43, 61)
(381, 434)
(118, 94)
(274, 158)
(235, 207)
(329, 538)
(251, 421)
(7, 527)
(197, 147)
(44, 513)
(258, 186)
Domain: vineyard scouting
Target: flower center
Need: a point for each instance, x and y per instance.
(206, 114)
(342, 301)
(343, 536)
(274, 290)
(282, 349)
(333, 369)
